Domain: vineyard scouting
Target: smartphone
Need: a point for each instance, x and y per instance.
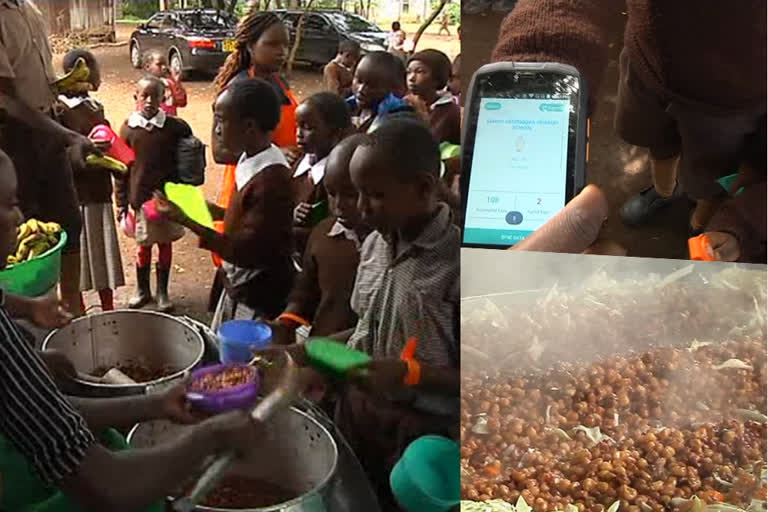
(524, 149)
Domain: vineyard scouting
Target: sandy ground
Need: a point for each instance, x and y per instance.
(192, 267)
(619, 168)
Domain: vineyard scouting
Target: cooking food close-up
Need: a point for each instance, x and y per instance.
(593, 383)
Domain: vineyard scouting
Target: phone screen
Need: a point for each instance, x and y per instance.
(521, 165)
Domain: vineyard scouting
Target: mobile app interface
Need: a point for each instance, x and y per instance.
(518, 178)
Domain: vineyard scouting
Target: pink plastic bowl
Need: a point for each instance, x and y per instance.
(119, 149)
(150, 211)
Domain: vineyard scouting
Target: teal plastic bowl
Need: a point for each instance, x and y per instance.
(35, 277)
(426, 478)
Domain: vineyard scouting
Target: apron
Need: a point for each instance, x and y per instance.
(23, 491)
(284, 136)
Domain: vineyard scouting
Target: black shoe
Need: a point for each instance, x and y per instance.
(503, 5)
(164, 304)
(143, 294)
(641, 208)
(475, 6)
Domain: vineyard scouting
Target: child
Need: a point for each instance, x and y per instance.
(407, 286)
(397, 41)
(428, 75)
(322, 121)
(156, 64)
(376, 77)
(257, 241)
(338, 74)
(454, 85)
(320, 296)
(154, 136)
(101, 265)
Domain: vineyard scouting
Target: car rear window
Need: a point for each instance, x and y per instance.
(208, 20)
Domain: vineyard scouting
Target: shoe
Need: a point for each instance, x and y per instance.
(503, 5)
(164, 304)
(475, 6)
(143, 294)
(639, 209)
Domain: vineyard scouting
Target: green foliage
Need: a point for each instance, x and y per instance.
(453, 9)
(139, 9)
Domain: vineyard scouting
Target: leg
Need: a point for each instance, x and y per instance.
(642, 119)
(165, 256)
(107, 299)
(143, 294)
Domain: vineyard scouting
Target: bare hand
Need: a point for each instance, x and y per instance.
(282, 334)
(48, 313)
(236, 431)
(168, 208)
(301, 214)
(296, 351)
(380, 375)
(173, 405)
(724, 245)
(79, 147)
(419, 105)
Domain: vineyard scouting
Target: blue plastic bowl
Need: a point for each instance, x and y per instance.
(426, 478)
(240, 337)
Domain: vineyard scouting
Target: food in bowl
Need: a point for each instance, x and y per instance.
(226, 379)
(137, 372)
(236, 492)
(34, 238)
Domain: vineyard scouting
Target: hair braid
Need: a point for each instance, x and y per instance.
(248, 31)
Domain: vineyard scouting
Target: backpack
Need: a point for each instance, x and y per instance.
(191, 161)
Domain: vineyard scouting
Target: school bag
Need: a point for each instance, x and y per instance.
(191, 161)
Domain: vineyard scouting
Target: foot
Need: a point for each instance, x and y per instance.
(139, 300)
(164, 304)
(641, 208)
(475, 6)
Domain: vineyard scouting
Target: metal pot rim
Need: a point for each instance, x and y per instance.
(285, 505)
(148, 384)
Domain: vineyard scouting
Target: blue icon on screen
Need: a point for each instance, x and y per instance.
(551, 107)
(514, 218)
(493, 105)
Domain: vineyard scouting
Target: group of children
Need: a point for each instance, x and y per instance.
(342, 232)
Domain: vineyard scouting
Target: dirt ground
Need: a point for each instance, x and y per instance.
(620, 169)
(192, 267)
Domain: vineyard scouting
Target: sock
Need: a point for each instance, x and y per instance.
(165, 255)
(143, 255)
(107, 299)
(664, 173)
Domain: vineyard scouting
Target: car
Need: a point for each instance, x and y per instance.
(324, 29)
(192, 39)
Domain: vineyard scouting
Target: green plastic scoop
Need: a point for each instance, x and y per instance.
(191, 201)
(334, 358)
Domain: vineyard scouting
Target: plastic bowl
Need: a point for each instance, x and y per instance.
(35, 277)
(118, 149)
(426, 478)
(240, 337)
(237, 397)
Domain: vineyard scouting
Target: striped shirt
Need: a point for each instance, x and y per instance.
(410, 289)
(34, 415)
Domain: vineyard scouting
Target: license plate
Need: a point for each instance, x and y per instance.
(228, 45)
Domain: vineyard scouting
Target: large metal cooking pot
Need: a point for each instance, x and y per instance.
(297, 452)
(148, 338)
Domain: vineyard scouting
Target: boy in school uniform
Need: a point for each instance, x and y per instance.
(257, 242)
(428, 75)
(321, 294)
(338, 74)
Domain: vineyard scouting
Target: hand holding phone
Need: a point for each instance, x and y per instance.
(524, 150)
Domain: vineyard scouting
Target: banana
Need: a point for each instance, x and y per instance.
(107, 162)
(34, 225)
(12, 260)
(50, 228)
(23, 232)
(80, 73)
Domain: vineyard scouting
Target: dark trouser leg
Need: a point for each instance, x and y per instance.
(163, 269)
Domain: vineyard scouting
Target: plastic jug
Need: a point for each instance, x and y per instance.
(239, 338)
(119, 149)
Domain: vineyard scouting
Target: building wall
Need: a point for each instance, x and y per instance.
(69, 15)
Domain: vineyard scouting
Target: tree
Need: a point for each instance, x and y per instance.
(427, 23)
(297, 40)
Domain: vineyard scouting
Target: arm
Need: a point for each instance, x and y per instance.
(744, 218)
(217, 212)
(305, 296)
(331, 78)
(571, 32)
(179, 93)
(343, 336)
(121, 182)
(122, 412)
(13, 107)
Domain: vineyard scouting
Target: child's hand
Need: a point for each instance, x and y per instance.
(295, 350)
(173, 405)
(419, 105)
(168, 208)
(725, 245)
(380, 375)
(282, 334)
(301, 214)
(48, 313)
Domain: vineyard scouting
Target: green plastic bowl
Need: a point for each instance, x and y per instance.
(426, 478)
(35, 277)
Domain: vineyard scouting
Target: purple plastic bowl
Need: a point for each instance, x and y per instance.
(215, 402)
